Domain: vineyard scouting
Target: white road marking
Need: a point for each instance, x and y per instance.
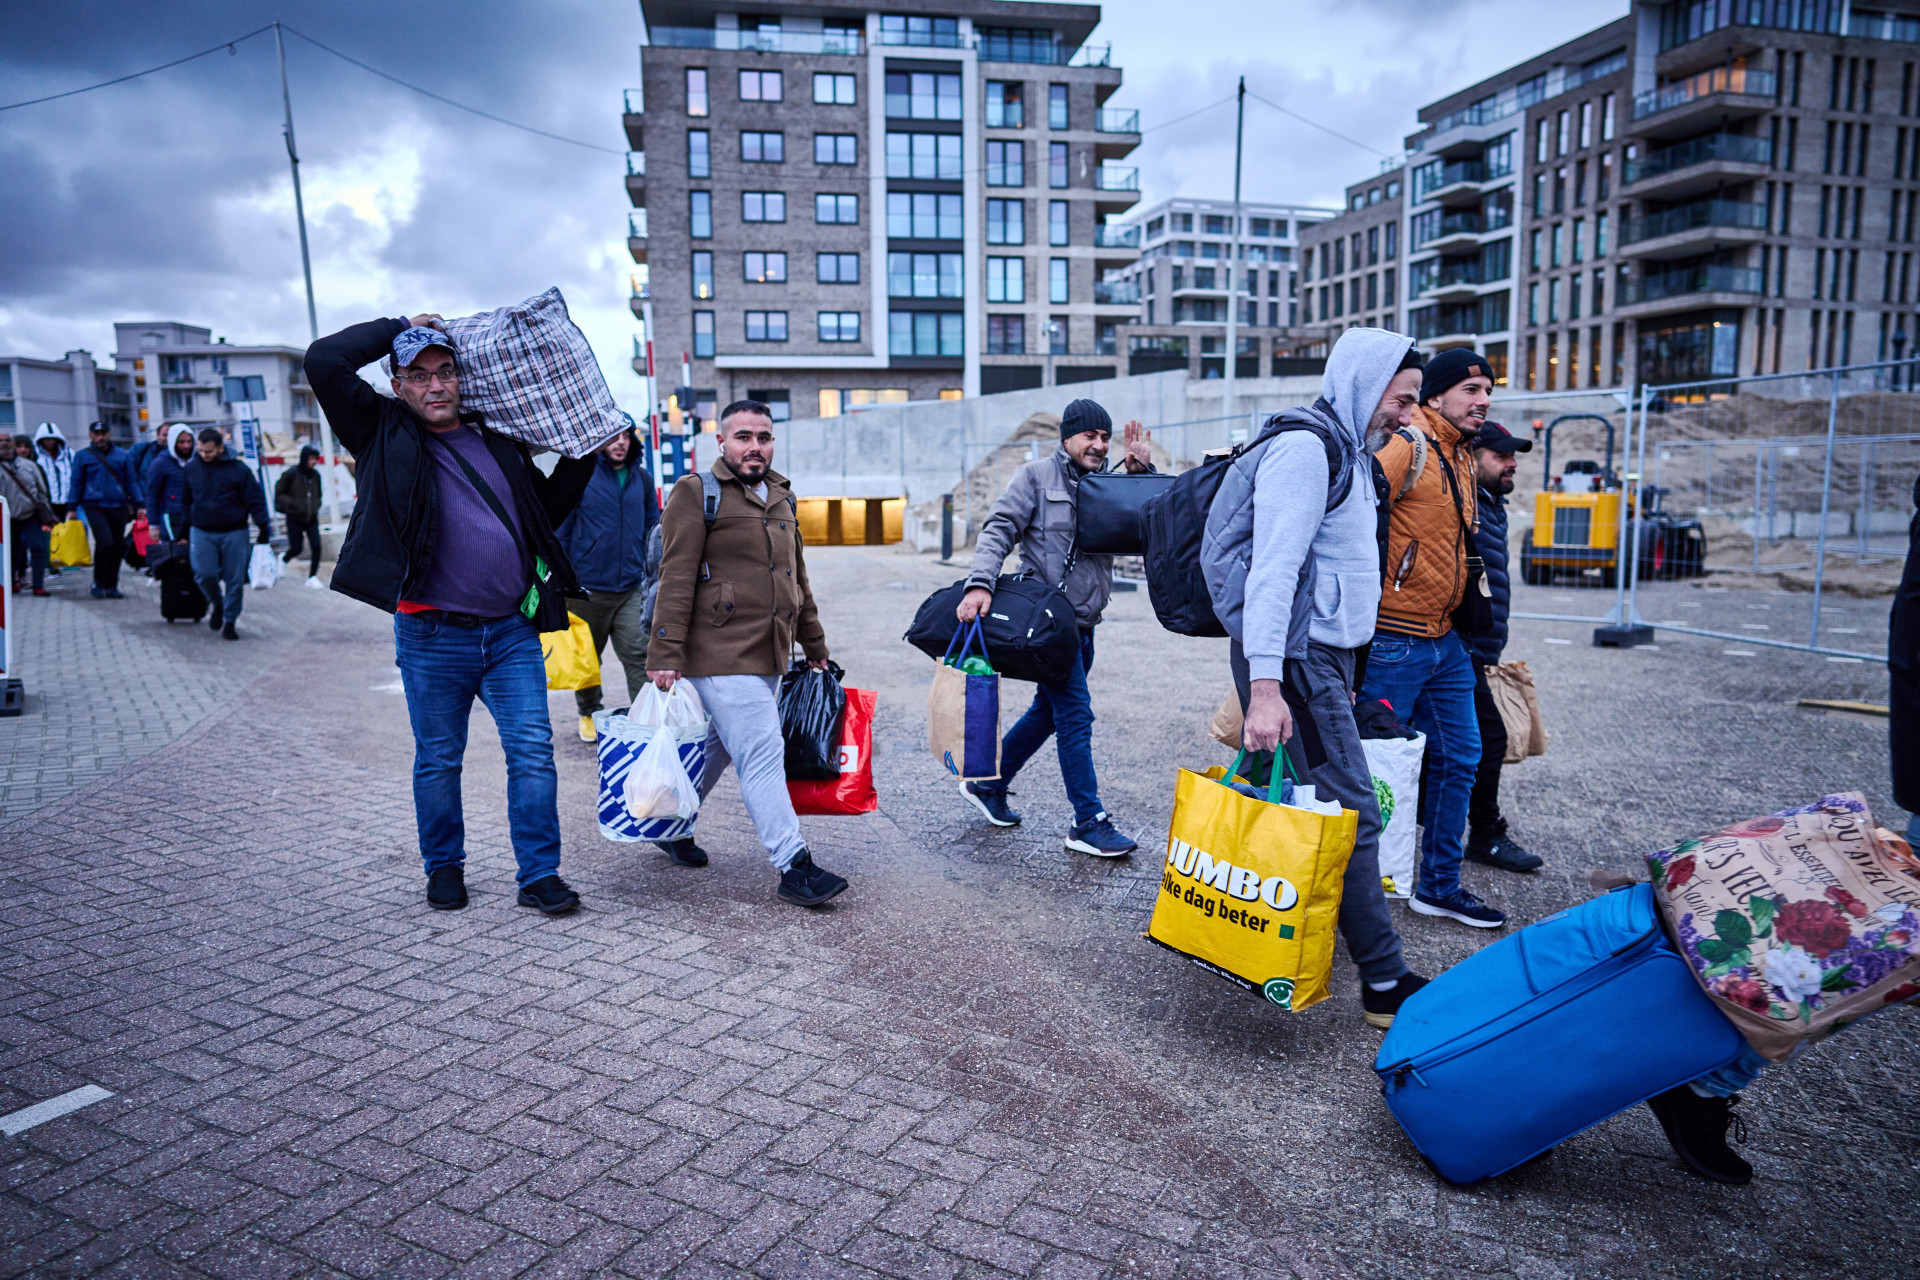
(1755, 626)
(52, 1109)
(393, 687)
(1845, 631)
(1738, 653)
(1554, 640)
(1846, 659)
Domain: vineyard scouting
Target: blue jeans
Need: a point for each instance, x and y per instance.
(1726, 1081)
(218, 558)
(443, 667)
(1430, 684)
(1064, 712)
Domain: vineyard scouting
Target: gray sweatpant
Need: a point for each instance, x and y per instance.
(1326, 751)
(746, 732)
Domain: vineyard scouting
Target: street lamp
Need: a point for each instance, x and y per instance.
(1053, 336)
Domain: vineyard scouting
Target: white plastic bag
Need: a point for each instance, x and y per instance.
(1304, 798)
(264, 569)
(1395, 764)
(658, 786)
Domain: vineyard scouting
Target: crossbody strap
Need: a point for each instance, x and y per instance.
(493, 503)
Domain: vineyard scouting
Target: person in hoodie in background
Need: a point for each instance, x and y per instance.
(607, 538)
(25, 490)
(56, 464)
(297, 497)
(166, 484)
(1291, 556)
(219, 494)
(106, 488)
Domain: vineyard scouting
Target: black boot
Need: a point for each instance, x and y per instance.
(1496, 848)
(1697, 1128)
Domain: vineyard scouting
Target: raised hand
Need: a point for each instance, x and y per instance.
(1139, 446)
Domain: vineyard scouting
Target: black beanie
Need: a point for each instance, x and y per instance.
(1450, 368)
(1084, 415)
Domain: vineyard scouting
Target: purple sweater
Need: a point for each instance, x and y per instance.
(476, 567)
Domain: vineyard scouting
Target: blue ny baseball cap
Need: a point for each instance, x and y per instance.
(411, 342)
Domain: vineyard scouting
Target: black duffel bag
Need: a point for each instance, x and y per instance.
(1030, 629)
(1108, 511)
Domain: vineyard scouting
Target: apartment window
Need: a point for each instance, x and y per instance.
(1006, 335)
(1339, 256)
(1573, 358)
(1056, 106)
(925, 275)
(1560, 189)
(1606, 118)
(1540, 194)
(924, 155)
(1553, 307)
(703, 334)
(923, 95)
(836, 268)
(1540, 141)
(1603, 185)
(839, 326)
(1393, 242)
(766, 268)
(833, 90)
(699, 155)
(1561, 133)
(1600, 234)
(836, 208)
(1007, 223)
(1183, 222)
(1056, 164)
(1533, 352)
(703, 274)
(1339, 298)
(1006, 163)
(1599, 291)
(1533, 249)
(1203, 277)
(1057, 222)
(1553, 361)
(696, 91)
(1006, 280)
(840, 148)
(1573, 298)
(766, 326)
(1579, 235)
(1373, 246)
(763, 206)
(1579, 183)
(1533, 304)
(1373, 290)
(1056, 280)
(1179, 281)
(760, 86)
(763, 148)
(700, 214)
(928, 333)
(1057, 335)
(921, 215)
(1586, 124)
(1005, 108)
(779, 402)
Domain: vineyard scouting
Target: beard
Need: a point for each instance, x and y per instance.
(1378, 432)
(752, 472)
(1504, 485)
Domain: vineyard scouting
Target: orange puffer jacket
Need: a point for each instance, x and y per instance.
(1427, 543)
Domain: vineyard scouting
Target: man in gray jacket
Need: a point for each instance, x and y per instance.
(1038, 512)
(1292, 561)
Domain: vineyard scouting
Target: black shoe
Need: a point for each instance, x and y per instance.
(1099, 838)
(1381, 1006)
(228, 633)
(447, 888)
(99, 592)
(1697, 1128)
(806, 885)
(992, 803)
(550, 894)
(1497, 849)
(113, 593)
(215, 618)
(683, 851)
(1459, 905)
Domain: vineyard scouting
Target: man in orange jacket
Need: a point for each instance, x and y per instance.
(1418, 663)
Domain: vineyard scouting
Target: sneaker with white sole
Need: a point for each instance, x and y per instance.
(992, 803)
(1100, 838)
(1458, 905)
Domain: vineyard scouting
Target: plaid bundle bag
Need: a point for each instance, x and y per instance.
(529, 369)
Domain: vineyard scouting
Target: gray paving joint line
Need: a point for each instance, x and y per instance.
(18, 1122)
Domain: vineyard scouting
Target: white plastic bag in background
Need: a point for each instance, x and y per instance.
(1395, 764)
(657, 785)
(264, 568)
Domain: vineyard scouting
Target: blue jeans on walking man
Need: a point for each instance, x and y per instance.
(443, 667)
(1429, 683)
(1062, 711)
(217, 559)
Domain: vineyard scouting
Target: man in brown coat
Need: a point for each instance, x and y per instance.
(732, 599)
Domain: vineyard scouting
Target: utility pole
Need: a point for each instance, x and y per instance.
(306, 269)
(1233, 259)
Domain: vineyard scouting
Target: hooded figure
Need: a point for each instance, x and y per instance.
(166, 475)
(56, 463)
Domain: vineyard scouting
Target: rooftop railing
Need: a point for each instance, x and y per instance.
(763, 40)
(1714, 146)
(1713, 80)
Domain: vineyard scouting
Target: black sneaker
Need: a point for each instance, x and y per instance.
(1381, 1006)
(806, 885)
(113, 593)
(447, 888)
(215, 618)
(1458, 905)
(1496, 848)
(1697, 1128)
(683, 851)
(228, 633)
(550, 894)
(992, 803)
(1099, 838)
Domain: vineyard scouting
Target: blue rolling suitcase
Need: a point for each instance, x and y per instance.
(1548, 1032)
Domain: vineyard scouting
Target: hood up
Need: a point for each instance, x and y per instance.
(1359, 368)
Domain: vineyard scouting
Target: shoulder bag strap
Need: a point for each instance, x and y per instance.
(493, 503)
(1418, 439)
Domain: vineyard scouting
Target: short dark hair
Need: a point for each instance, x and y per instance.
(746, 406)
(211, 435)
(1412, 360)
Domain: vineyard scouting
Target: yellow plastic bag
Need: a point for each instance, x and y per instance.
(572, 660)
(1251, 888)
(69, 544)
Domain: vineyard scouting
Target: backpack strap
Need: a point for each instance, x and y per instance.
(710, 497)
(1418, 439)
(1339, 473)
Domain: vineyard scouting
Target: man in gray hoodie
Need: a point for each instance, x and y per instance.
(1292, 561)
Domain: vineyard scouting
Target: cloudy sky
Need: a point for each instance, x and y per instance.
(168, 197)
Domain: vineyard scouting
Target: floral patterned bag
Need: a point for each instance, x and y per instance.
(1796, 924)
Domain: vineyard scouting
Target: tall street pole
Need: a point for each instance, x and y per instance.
(306, 268)
(1233, 261)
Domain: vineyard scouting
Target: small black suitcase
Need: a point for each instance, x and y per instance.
(180, 595)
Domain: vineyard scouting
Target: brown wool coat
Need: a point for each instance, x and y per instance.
(732, 599)
(1426, 544)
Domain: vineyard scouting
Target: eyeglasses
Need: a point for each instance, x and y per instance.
(421, 378)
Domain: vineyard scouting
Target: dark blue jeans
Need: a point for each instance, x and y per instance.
(443, 668)
(1430, 684)
(1063, 712)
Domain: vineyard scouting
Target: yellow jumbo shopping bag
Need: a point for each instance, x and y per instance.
(1251, 889)
(572, 660)
(67, 544)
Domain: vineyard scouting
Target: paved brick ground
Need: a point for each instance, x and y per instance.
(971, 1065)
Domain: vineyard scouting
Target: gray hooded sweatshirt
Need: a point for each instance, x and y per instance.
(1290, 519)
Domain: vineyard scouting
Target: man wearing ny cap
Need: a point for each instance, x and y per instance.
(453, 534)
(1037, 513)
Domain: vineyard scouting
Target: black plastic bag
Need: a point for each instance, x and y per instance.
(811, 705)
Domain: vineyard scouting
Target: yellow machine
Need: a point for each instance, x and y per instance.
(1573, 531)
(1577, 525)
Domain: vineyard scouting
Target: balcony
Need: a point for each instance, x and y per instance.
(1698, 164)
(1450, 179)
(639, 356)
(1018, 46)
(637, 235)
(636, 301)
(1718, 93)
(766, 40)
(1691, 229)
(1109, 237)
(637, 178)
(1114, 177)
(1451, 279)
(632, 109)
(1116, 293)
(1649, 293)
(1453, 230)
(1116, 120)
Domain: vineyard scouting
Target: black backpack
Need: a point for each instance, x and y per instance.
(1175, 520)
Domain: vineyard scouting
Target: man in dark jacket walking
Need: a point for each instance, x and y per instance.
(606, 538)
(105, 488)
(1493, 467)
(297, 497)
(452, 533)
(1903, 679)
(218, 494)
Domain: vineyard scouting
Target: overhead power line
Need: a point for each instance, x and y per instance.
(1190, 115)
(224, 44)
(1364, 146)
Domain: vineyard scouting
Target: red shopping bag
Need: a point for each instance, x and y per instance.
(852, 792)
(142, 536)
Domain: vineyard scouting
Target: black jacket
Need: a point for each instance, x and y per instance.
(391, 539)
(218, 496)
(1903, 672)
(1490, 544)
(298, 493)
